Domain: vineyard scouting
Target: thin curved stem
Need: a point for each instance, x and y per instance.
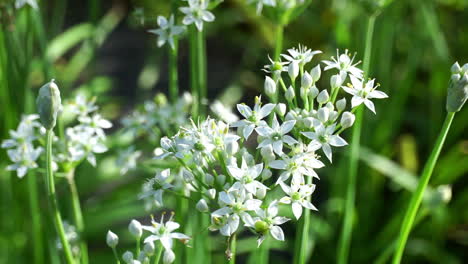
(78, 218)
(417, 196)
(346, 234)
(53, 200)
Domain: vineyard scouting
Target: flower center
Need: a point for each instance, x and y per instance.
(261, 227)
(296, 196)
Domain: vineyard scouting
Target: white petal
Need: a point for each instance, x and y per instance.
(264, 131)
(337, 141)
(289, 140)
(377, 94)
(327, 150)
(309, 205)
(278, 147)
(248, 130)
(266, 110)
(297, 209)
(287, 126)
(277, 233)
(370, 105)
(208, 16)
(356, 100)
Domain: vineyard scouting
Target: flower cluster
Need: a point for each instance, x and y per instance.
(236, 166)
(278, 4)
(162, 232)
(21, 149)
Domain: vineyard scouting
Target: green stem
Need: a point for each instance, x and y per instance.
(173, 76)
(302, 234)
(53, 200)
(158, 255)
(116, 256)
(279, 41)
(78, 218)
(193, 71)
(201, 67)
(263, 252)
(36, 219)
(232, 248)
(417, 196)
(345, 239)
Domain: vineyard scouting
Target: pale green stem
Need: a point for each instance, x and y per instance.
(302, 234)
(173, 75)
(193, 72)
(53, 200)
(201, 71)
(116, 256)
(36, 219)
(279, 41)
(346, 234)
(417, 196)
(78, 217)
(158, 255)
(232, 248)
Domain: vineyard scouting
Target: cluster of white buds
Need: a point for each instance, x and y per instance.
(234, 175)
(196, 12)
(458, 88)
(162, 232)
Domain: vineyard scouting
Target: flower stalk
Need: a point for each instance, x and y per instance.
(36, 219)
(173, 75)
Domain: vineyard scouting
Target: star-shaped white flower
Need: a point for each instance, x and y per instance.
(164, 233)
(344, 64)
(363, 92)
(246, 176)
(253, 118)
(197, 13)
(261, 3)
(267, 221)
(298, 197)
(155, 187)
(324, 137)
(301, 54)
(276, 135)
(167, 31)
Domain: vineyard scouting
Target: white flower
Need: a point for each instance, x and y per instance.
(261, 3)
(275, 68)
(127, 159)
(298, 165)
(197, 13)
(21, 3)
(154, 188)
(24, 157)
(112, 239)
(301, 55)
(324, 137)
(164, 232)
(253, 118)
(25, 133)
(223, 112)
(344, 64)
(167, 31)
(81, 106)
(276, 135)
(297, 197)
(95, 124)
(267, 221)
(135, 228)
(246, 176)
(82, 144)
(236, 204)
(362, 93)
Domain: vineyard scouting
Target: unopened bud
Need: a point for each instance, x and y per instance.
(457, 93)
(290, 94)
(293, 70)
(112, 239)
(135, 229)
(260, 193)
(267, 153)
(149, 248)
(306, 81)
(347, 119)
(323, 114)
(341, 104)
(209, 179)
(266, 174)
(269, 86)
(127, 257)
(336, 81)
(315, 73)
(313, 91)
(323, 97)
(202, 206)
(280, 109)
(455, 68)
(49, 104)
(221, 179)
(211, 193)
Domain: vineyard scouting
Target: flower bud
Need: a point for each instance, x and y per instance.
(315, 73)
(168, 257)
(330, 106)
(308, 122)
(293, 70)
(211, 193)
(455, 68)
(127, 257)
(323, 97)
(267, 153)
(266, 174)
(112, 239)
(202, 206)
(49, 104)
(221, 179)
(323, 114)
(135, 229)
(303, 92)
(313, 91)
(341, 104)
(306, 81)
(260, 193)
(269, 86)
(336, 81)
(347, 119)
(290, 94)
(232, 147)
(333, 115)
(149, 248)
(457, 93)
(465, 68)
(209, 179)
(280, 109)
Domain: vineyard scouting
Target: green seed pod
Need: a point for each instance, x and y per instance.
(457, 92)
(49, 104)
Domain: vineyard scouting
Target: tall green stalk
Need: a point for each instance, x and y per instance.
(201, 71)
(78, 218)
(37, 241)
(417, 196)
(346, 234)
(173, 76)
(302, 240)
(53, 200)
(233, 248)
(279, 41)
(193, 72)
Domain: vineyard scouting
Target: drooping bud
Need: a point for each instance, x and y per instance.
(49, 104)
(341, 104)
(202, 206)
(347, 119)
(293, 70)
(269, 86)
(135, 228)
(306, 81)
(112, 239)
(457, 93)
(280, 109)
(323, 97)
(315, 73)
(290, 94)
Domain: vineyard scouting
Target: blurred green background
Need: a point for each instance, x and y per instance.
(102, 48)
